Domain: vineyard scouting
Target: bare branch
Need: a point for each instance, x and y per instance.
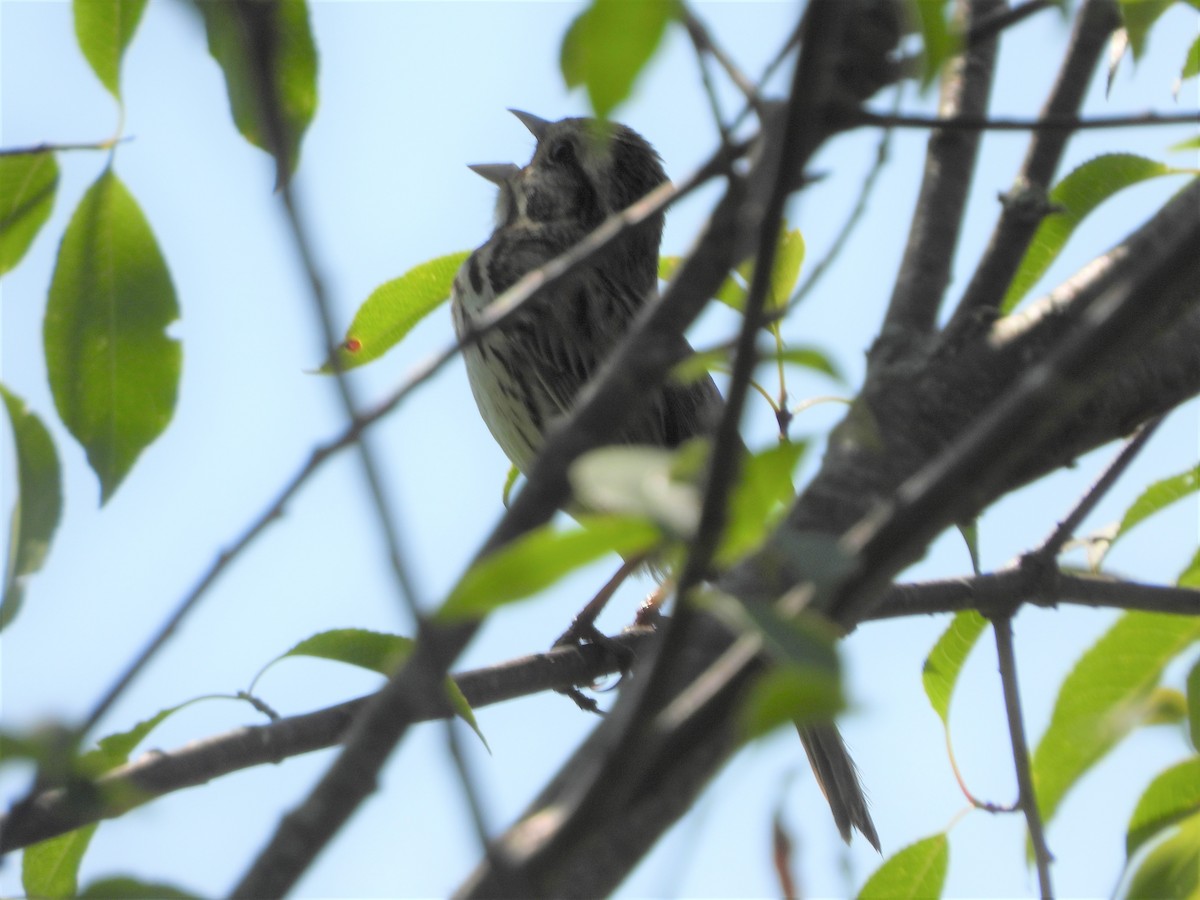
(1096, 20)
(1050, 124)
(942, 202)
(1027, 798)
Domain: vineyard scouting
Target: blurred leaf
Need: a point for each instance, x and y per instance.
(1170, 869)
(266, 42)
(812, 358)
(27, 186)
(945, 661)
(510, 481)
(789, 257)
(113, 750)
(1190, 577)
(791, 694)
(1193, 703)
(1076, 196)
(759, 499)
(805, 640)
(731, 292)
(643, 482)
(113, 370)
(970, 536)
(394, 309)
(1171, 797)
(1191, 64)
(919, 870)
(1139, 16)
(1106, 695)
(463, 710)
(1165, 706)
(938, 40)
(1158, 497)
(608, 45)
(124, 888)
(38, 503)
(1189, 144)
(104, 29)
(51, 868)
(541, 557)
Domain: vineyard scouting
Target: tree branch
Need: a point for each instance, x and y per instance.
(949, 171)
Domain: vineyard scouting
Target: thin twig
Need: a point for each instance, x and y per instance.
(1053, 545)
(703, 41)
(1016, 728)
(49, 147)
(1048, 123)
(1005, 18)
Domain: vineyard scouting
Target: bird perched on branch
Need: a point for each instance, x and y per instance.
(528, 373)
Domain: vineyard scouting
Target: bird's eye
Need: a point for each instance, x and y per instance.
(562, 153)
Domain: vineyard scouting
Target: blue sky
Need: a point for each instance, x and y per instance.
(410, 92)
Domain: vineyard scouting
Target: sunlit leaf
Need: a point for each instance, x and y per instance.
(1106, 695)
(1191, 64)
(394, 308)
(113, 750)
(50, 868)
(789, 257)
(123, 888)
(812, 358)
(1158, 497)
(1171, 868)
(538, 559)
(608, 45)
(27, 186)
(1193, 703)
(1074, 198)
(38, 503)
(945, 661)
(269, 60)
(1171, 797)
(104, 29)
(463, 710)
(1190, 577)
(113, 370)
(919, 870)
(758, 500)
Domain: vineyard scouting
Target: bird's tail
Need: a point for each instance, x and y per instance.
(837, 777)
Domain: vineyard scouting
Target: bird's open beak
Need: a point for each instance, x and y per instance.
(498, 174)
(537, 126)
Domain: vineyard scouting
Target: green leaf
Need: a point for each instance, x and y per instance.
(919, 870)
(812, 358)
(1106, 695)
(113, 370)
(1193, 705)
(1172, 868)
(789, 257)
(269, 60)
(945, 661)
(1190, 577)
(758, 500)
(51, 868)
(38, 505)
(370, 650)
(731, 292)
(27, 186)
(1171, 797)
(1191, 64)
(608, 45)
(113, 750)
(104, 29)
(125, 888)
(394, 309)
(1077, 195)
(970, 536)
(791, 695)
(541, 557)
(1158, 497)
(463, 709)
(1139, 16)
(643, 482)
(938, 40)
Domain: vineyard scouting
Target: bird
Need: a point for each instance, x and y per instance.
(527, 373)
